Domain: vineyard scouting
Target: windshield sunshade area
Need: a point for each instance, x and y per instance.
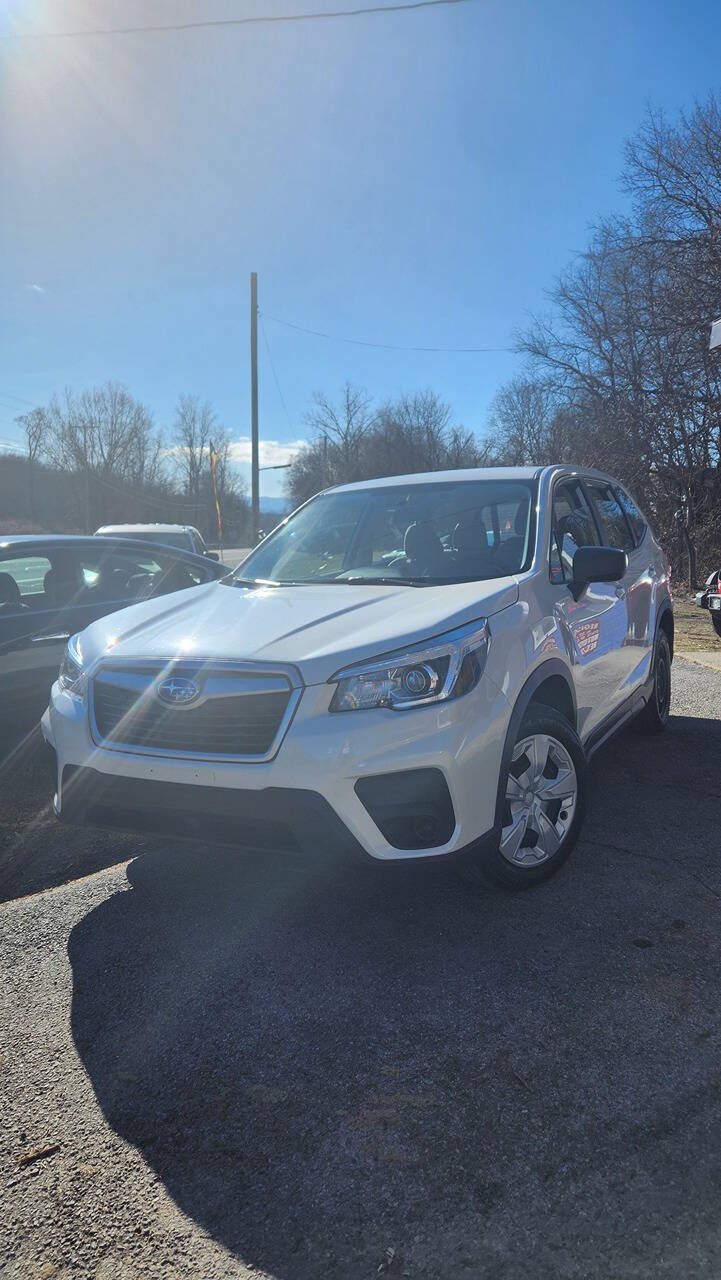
(413, 534)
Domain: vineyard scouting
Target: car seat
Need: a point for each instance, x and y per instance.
(423, 550)
(60, 591)
(10, 598)
(470, 534)
(510, 552)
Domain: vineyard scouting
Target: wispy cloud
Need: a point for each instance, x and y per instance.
(273, 453)
(35, 288)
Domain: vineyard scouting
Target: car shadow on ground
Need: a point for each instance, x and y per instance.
(324, 1064)
(35, 852)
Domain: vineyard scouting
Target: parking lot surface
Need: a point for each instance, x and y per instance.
(238, 1063)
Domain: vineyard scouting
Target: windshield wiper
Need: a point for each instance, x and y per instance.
(358, 581)
(265, 582)
(361, 581)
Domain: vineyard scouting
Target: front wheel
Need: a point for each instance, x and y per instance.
(543, 796)
(716, 624)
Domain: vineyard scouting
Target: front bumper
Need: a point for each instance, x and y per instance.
(315, 783)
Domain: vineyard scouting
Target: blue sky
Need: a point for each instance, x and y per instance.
(413, 179)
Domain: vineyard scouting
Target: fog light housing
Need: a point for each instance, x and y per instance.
(412, 809)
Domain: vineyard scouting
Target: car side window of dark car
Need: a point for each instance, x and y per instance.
(633, 515)
(615, 528)
(573, 527)
(23, 583)
(121, 575)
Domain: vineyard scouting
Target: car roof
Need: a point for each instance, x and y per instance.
(34, 541)
(145, 528)
(443, 477)
(477, 473)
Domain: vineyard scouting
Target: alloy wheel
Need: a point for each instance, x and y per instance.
(540, 802)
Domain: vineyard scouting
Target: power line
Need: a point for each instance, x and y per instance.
(275, 375)
(386, 346)
(256, 20)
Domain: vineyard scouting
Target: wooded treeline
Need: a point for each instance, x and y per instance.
(619, 374)
(97, 458)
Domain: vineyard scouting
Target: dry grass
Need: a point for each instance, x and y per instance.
(693, 626)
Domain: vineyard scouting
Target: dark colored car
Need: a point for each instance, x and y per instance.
(710, 598)
(53, 585)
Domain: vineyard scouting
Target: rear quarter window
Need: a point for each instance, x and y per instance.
(28, 575)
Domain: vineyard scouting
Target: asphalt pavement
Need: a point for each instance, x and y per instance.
(219, 1063)
(233, 556)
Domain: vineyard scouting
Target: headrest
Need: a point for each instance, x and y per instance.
(521, 520)
(572, 526)
(59, 589)
(470, 534)
(9, 590)
(421, 541)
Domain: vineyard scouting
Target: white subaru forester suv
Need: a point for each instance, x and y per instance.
(408, 667)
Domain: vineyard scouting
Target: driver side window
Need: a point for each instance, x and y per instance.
(573, 527)
(120, 576)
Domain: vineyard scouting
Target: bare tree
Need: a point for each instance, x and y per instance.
(195, 422)
(105, 439)
(343, 426)
(520, 421)
(35, 426)
(413, 433)
(95, 457)
(626, 344)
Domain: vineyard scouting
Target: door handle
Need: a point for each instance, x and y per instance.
(621, 593)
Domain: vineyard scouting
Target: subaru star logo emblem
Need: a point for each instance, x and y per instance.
(178, 691)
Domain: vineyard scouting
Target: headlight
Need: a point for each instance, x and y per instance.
(72, 673)
(430, 672)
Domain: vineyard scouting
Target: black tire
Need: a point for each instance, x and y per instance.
(716, 624)
(490, 863)
(655, 715)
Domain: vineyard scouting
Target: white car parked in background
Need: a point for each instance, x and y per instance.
(184, 537)
(414, 666)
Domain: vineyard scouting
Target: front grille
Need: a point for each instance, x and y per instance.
(236, 715)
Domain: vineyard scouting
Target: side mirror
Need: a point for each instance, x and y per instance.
(597, 564)
(212, 555)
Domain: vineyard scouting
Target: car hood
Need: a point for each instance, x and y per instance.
(316, 628)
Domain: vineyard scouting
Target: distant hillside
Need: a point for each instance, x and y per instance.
(40, 499)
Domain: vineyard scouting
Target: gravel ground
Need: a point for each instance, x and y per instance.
(256, 1066)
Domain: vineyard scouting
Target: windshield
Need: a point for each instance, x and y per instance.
(421, 534)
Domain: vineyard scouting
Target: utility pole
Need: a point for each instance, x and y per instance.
(254, 477)
(86, 460)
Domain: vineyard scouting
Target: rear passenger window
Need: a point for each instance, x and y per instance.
(615, 528)
(633, 515)
(573, 527)
(22, 583)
